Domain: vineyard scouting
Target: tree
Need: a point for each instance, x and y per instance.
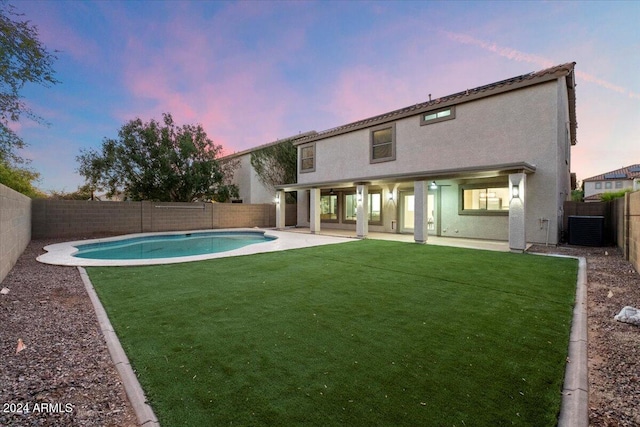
(23, 59)
(276, 164)
(19, 179)
(84, 192)
(160, 162)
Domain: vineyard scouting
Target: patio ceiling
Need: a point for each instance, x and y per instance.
(460, 173)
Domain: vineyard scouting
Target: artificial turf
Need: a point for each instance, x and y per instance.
(362, 333)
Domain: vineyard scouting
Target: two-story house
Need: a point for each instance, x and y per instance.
(489, 163)
(617, 180)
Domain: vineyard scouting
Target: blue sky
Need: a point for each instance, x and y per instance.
(252, 72)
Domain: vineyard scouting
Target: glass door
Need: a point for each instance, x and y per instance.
(407, 211)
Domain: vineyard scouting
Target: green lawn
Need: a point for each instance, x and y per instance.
(362, 333)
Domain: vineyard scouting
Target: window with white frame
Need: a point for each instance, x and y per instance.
(607, 185)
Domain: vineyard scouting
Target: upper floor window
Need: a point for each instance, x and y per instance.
(607, 185)
(383, 143)
(436, 116)
(618, 184)
(598, 186)
(308, 158)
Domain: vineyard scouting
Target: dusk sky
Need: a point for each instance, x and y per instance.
(252, 72)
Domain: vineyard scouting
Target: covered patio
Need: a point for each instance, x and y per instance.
(409, 207)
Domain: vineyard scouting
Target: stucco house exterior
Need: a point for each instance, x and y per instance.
(489, 163)
(617, 180)
(250, 188)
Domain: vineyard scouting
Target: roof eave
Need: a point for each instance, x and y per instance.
(457, 173)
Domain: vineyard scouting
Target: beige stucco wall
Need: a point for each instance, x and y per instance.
(527, 125)
(250, 188)
(15, 227)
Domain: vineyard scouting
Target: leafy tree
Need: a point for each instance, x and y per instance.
(84, 192)
(577, 195)
(23, 59)
(19, 179)
(159, 161)
(276, 164)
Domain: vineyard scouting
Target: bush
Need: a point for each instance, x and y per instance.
(611, 195)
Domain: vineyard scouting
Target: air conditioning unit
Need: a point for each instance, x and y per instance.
(586, 230)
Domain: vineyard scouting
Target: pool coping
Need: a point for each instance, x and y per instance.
(62, 253)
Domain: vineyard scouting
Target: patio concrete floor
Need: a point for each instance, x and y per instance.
(491, 245)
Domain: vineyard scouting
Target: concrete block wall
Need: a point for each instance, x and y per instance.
(634, 229)
(177, 216)
(77, 218)
(15, 227)
(229, 215)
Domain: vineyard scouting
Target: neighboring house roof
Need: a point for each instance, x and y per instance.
(594, 198)
(269, 144)
(507, 85)
(629, 172)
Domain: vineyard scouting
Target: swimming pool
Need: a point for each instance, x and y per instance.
(170, 245)
(275, 240)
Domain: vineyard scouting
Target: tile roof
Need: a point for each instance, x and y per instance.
(629, 172)
(268, 144)
(465, 96)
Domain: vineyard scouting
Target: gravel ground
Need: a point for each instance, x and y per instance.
(67, 378)
(64, 376)
(613, 347)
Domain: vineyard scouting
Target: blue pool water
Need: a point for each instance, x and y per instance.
(170, 245)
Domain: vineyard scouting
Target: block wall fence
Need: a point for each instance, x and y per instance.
(15, 227)
(632, 229)
(79, 218)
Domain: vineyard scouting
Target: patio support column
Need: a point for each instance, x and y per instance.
(314, 214)
(517, 223)
(421, 211)
(281, 208)
(362, 212)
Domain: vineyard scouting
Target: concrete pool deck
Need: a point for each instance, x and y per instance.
(62, 253)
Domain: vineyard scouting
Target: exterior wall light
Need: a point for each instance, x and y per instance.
(390, 196)
(515, 192)
(433, 185)
(277, 199)
(359, 196)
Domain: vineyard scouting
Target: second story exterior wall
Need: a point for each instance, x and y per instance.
(505, 128)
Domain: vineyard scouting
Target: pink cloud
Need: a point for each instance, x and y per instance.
(200, 78)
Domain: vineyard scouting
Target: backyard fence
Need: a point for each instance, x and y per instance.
(15, 227)
(621, 222)
(79, 218)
